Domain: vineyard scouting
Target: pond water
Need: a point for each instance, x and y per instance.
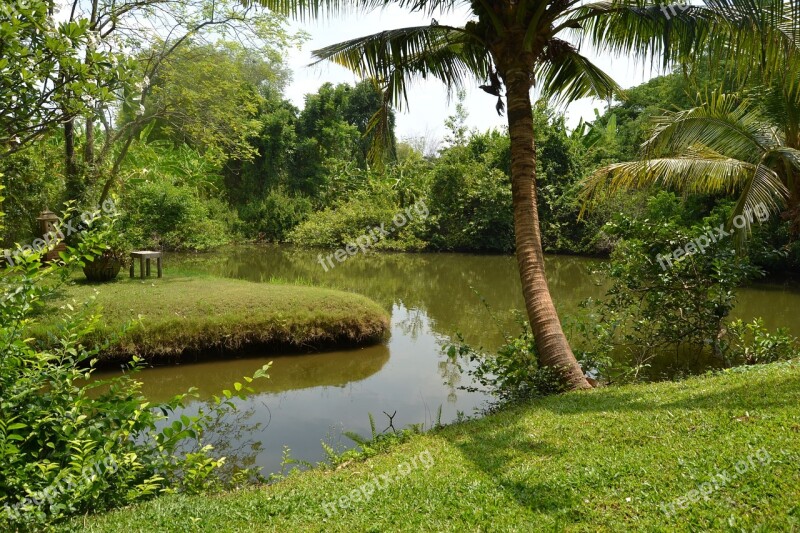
(432, 297)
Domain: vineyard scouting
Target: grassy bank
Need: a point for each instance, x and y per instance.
(711, 453)
(188, 315)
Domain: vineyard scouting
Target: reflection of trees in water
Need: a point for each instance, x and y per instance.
(435, 284)
(234, 437)
(414, 323)
(451, 374)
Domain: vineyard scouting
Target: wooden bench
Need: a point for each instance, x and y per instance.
(145, 256)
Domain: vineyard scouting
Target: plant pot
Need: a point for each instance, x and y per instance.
(103, 268)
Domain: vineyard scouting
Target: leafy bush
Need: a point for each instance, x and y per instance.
(751, 343)
(69, 444)
(159, 214)
(33, 180)
(356, 216)
(658, 303)
(471, 205)
(274, 217)
(512, 374)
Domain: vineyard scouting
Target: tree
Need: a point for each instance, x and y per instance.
(101, 60)
(747, 142)
(514, 44)
(208, 96)
(43, 81)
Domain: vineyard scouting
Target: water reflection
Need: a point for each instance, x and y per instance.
(431, 297)
(289, 372)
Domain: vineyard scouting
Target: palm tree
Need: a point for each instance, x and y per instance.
(746, 143)
(513, 45)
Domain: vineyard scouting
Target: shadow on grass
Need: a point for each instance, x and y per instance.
(501, 448)
(760, 393)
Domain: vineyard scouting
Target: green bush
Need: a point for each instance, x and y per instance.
(275, 216)
(471, 205)
(33, 180)
(512, 374)
(69, 444)
(751, 343)
(159, 214)
(658, 304)
(356, 216)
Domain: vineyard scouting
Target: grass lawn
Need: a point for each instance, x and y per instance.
(188, 314)
(713, 453)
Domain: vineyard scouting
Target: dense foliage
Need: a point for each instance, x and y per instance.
(68, 444)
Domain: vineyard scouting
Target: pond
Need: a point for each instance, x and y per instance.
(432, 297)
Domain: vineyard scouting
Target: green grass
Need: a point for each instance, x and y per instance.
(603, 460)
(189, 315)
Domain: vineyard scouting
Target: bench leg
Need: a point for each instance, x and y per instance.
(141, 267)
(148, 267)
(158, 265)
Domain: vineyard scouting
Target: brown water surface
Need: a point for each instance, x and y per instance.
(431, 297)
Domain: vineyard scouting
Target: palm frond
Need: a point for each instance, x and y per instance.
(396, 57)
(725, 124)
(648, 29)
(565, 75)
(305, 10)
(702, 172)
(790, 159)
(763, 193)
(756, 35)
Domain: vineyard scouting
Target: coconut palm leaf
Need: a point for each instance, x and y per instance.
(763, 193)
(397, 57)
(725, 124)
(669, 32)
(702, 172)
(566, 75)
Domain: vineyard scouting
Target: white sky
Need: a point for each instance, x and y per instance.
(428, 104)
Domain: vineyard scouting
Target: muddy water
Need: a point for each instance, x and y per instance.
(432, 297)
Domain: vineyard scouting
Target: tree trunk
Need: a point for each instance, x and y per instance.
(88, 149)
(74, 187)
(551, 343)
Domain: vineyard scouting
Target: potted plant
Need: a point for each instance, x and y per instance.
(112, 251)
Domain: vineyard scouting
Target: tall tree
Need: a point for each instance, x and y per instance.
(120, 46)
(513, 45)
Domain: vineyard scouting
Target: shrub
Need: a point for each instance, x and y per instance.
(356, 216)
(275, 216)
(657, 303)
(513, 373)
(69, 444)
(162, 215)
(751, 343)
(471, 205)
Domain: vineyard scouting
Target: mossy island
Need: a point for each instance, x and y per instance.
(188, 317)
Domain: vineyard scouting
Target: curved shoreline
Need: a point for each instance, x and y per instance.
(192, 318)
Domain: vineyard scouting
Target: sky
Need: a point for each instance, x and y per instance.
(428, 101)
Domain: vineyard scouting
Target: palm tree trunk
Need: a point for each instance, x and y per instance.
(551, 343)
